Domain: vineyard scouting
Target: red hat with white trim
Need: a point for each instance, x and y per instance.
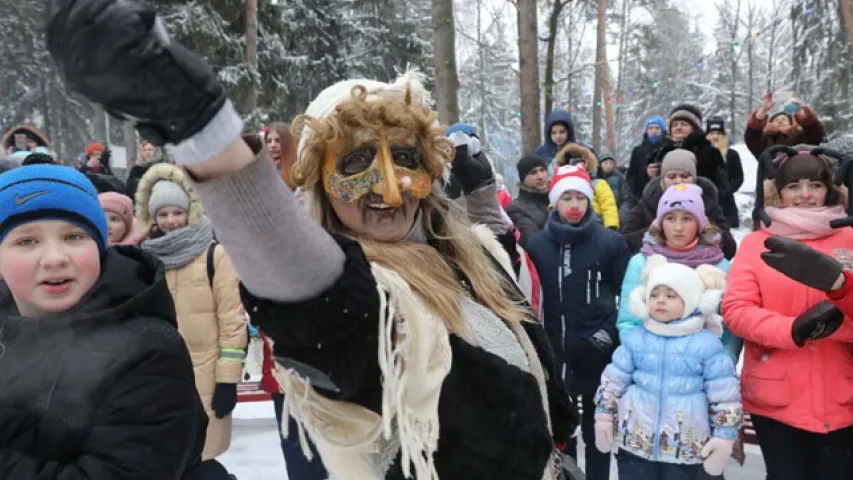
(570, 178)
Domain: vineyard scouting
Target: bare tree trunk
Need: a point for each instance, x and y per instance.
(733, 66)
(847, 10)
(446, 77)
(570, 84)
(608, 106)
(600, 46)
(751, 20)
(481, 78)
(252, 54)
(99, 124)
(553, 30)
(528, 61)
(128, 131)
(623, 52)
(770, 57)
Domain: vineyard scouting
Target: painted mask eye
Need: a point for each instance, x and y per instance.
(406, 157)
(356, 161)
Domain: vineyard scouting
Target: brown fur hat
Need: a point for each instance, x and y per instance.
(576, 150)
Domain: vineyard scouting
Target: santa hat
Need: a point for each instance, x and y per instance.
(570, 178)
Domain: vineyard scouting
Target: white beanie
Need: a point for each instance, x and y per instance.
(684, 280)
(167, 194)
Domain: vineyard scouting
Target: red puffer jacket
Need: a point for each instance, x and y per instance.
(810, 388)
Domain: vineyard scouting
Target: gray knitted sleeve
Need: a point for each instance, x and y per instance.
(280, 253)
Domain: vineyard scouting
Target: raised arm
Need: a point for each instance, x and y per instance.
(176, 99)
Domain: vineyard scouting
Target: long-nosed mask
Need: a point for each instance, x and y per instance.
(386, 170)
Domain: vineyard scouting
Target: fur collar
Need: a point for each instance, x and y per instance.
(705, 315)
(579, 151)
(169, 172)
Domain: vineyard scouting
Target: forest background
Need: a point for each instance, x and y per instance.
(501, 65)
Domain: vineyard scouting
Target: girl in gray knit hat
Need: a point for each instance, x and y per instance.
(204, 286)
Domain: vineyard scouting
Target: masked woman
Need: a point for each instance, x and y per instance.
(401, 336)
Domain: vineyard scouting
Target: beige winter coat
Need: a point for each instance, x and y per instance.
(211, 320)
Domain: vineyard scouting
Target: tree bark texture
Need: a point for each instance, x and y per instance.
(600, 58)
(551, 46)
(252, 54)
(446, 77)
(528, 62)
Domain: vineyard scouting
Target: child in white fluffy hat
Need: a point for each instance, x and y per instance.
(670, 394)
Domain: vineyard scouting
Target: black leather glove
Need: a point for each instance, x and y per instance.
(802, 263)
(473, 172)
(224, 399)
(819, 321)
(117, 53)
(592, 355)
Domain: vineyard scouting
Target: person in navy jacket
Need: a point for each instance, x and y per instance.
(581, 264)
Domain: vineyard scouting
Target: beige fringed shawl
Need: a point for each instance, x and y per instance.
(414, 357)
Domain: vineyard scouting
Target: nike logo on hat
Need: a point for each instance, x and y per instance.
(19, 200)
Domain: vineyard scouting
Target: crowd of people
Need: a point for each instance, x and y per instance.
(416, 320)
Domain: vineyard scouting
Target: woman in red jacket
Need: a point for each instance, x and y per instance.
(798, 385)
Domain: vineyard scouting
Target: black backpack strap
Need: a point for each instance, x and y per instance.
(211, 267)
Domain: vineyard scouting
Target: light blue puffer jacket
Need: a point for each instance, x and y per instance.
(671, 393)
(626, 321)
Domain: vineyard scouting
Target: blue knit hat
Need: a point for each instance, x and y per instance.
(35, 192)
(465, 128)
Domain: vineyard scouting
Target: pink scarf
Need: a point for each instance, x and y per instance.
(803, 223)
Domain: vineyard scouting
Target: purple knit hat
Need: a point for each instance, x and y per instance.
(686, 197)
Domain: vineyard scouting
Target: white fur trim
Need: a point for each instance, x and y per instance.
(637, 303)
(652, 263)
(676, 328)
(712, 277)
(568, 184)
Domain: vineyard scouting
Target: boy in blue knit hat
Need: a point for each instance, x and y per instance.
(97, 382)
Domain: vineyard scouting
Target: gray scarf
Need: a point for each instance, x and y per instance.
(180, 247)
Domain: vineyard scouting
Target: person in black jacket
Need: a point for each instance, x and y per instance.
(679, 166)
(529, 210)
(149, 154)
(581, 264)
(97, 382)
(716, 134)
(685, 131)
(643, 155)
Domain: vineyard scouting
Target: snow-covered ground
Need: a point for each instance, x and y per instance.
(255, 452)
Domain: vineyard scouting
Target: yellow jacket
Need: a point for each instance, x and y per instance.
(603, 201)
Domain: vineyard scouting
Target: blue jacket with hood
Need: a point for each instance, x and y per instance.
(549, 149)
(580, 269)
(671, 386)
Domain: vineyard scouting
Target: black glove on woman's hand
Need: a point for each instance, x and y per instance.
(819, 321)
(224, 399)
(117, 53)
(473, 172)
(802, 263)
